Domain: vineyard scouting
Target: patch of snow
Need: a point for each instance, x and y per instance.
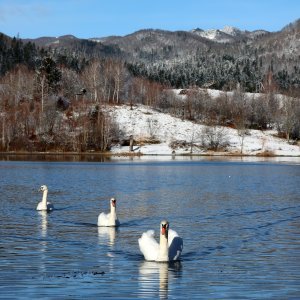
(217, 35)
(227, 34)
(233, 31)
(212, 93)
(146, 124)
(97, 40)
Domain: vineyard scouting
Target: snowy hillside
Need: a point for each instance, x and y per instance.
(146, 124)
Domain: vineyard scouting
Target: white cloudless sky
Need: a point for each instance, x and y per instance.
(99, 18)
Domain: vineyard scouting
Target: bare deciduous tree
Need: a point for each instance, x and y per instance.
(214, 137)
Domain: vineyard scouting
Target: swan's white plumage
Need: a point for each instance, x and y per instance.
(152, 250)
(49, 206)
(44, 204)
(109, 219)
(104, 220)
(148, 245)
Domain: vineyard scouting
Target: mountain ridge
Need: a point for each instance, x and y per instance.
(219, 57)
(228, 30)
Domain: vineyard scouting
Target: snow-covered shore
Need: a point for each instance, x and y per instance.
(146, 124)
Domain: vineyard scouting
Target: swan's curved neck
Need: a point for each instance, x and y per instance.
(113, 214)
(44, 200)
(163, 247)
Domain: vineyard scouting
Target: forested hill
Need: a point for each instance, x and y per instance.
(14, 52)
(72, 53)
(218, 59)
(184, 59)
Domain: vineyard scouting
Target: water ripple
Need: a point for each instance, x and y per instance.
(240, 233)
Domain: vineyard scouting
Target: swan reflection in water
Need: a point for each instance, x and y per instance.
(43, 226)
(43, 215)
(154, 278)
(107, 235)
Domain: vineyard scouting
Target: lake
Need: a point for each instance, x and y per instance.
(239, 220)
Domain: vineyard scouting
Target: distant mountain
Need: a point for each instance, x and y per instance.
(47, 41)
(215, 35)
(152, 45)
(216, 57)
(228, 34)
(140, 44)
(149, 45)
(73, 46)
(233, 31)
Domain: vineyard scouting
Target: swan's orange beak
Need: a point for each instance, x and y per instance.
(164, 229)
(113, 202)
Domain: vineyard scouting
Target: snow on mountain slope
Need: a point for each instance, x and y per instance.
(146, 124)
(215, 35)
(227, 34)
(231, 30)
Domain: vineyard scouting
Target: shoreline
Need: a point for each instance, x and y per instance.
(139, 154)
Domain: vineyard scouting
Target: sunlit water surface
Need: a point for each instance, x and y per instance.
(240, 223)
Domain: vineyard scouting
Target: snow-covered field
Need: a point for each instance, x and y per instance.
(146, 124)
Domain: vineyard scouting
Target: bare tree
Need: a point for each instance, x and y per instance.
(118, 79)
(242, 131)
(214, 137)
(92, 79)
(239, 112)
(71, 84)
(289, 116)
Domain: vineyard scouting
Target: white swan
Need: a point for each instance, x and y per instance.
(44, 205)
(169, 248)
(109, 219)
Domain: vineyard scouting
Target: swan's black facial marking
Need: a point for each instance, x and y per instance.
(165, 226)
(165, 229)
(43, 188)
(113, 202)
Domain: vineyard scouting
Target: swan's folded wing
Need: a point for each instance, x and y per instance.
(171, 235)
(39, 206)
(148, 245)
(175, 245)
(103, 219)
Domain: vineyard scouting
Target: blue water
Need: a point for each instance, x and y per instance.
(240, 224)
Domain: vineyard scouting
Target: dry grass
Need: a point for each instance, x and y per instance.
(266, 153)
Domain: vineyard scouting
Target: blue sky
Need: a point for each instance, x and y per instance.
(99, 18)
